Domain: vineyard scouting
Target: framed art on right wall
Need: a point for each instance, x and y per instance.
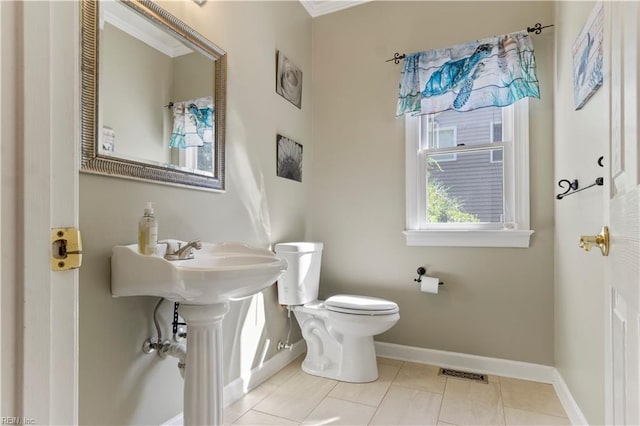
(587, 57)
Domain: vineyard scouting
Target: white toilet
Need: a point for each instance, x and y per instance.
(339, 331)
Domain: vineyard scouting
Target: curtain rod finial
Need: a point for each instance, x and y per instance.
(396, 58)
(537, 28)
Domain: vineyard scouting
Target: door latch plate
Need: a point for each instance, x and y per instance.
(66, 249)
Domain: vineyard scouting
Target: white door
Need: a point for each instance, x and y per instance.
(622, 276)
(40, 81)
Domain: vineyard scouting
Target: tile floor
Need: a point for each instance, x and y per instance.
(405, 394)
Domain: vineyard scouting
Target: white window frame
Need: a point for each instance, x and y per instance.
(438, 131)
(492, 139)
(515, 233)
(188, 157)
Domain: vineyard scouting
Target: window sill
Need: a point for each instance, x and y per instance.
(469, 238)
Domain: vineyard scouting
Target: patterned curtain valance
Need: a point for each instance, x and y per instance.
(495, 71)
(192, 123)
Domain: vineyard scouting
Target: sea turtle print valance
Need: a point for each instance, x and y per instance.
(192, 123)
(495, 71)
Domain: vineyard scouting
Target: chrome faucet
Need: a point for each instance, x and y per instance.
(184, 252)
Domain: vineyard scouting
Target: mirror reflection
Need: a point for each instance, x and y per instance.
(156, 98)
(154, 110)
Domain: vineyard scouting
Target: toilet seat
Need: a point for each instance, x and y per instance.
(360, 305)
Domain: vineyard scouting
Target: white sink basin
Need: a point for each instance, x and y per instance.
(220, 272)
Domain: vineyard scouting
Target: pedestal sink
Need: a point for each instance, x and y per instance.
(203, 286)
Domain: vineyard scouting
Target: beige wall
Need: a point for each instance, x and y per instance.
(495, 302)
(580, 139)
(118, 384)
(192, 77)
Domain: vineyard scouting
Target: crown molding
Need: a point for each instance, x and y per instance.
(138, 27)
(317, 8)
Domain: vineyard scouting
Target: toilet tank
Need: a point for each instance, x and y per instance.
(299, 283)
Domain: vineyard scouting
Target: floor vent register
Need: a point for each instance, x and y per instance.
(448, 372)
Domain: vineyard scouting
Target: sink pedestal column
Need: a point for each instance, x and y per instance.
(203, 382)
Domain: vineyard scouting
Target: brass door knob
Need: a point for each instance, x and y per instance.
(601, 240)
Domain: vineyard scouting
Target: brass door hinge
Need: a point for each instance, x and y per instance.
(66, 249)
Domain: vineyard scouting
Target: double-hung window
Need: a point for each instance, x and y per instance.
(468, 178)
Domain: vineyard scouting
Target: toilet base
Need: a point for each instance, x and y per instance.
(340, 345)
(356, 362)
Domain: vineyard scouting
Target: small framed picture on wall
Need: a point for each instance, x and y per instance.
(288, 80)
(289, 164)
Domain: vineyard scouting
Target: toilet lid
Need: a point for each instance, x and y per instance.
(351, 304)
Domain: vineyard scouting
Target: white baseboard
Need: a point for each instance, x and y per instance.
(240, 386)
(472, 363)
(486, 365)
(568, 403)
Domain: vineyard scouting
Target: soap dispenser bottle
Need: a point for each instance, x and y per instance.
(148, 232)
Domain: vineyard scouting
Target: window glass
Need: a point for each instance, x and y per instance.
(496, 136)
(467, 190)
(478, 127)
(445, 138)
(465, 186)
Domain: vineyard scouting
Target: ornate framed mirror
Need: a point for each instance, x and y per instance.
(153, 97)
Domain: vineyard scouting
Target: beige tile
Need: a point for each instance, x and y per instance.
(255, 418)
(389, 361)
(493, 379)
(406, 406)
(333, 411)
(420, 376)
(297, 397)
(244, 404)
(515, 417)
(531, 396)
(471, 403)
(287, 372)
(367, 393)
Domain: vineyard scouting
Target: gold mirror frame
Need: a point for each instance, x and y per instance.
(92, 162)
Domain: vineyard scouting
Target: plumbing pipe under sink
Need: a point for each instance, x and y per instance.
(177, 351)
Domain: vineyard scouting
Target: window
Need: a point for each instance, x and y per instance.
(468, 178)
(196, 158)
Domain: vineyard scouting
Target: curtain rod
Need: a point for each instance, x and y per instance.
(171, 104)
(536, 29)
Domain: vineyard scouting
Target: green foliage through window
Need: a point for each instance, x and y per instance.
(444, 208)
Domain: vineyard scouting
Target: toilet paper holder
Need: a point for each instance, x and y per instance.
(422, 271)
